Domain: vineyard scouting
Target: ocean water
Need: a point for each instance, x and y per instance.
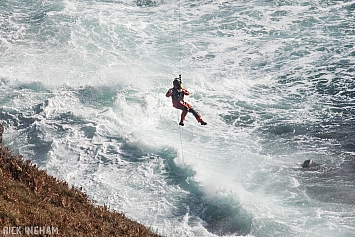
(83, 86)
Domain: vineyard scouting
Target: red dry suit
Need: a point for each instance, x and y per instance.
(177, 96)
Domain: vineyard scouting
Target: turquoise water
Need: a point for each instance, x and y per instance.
(83, 88)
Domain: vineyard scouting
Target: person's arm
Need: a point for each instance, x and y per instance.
(185, 92)
(169, 93)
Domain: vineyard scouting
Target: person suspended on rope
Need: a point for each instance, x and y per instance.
(177, 94)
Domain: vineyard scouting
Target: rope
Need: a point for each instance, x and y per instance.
(179, 38)
(179, 67)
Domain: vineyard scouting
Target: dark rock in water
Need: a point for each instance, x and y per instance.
(307, 163)
(310, 165)
(1, 132)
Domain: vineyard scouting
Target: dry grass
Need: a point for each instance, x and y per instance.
(30, 197)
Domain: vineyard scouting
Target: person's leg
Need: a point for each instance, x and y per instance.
(186, 107)
(183, 114)
(196, 114)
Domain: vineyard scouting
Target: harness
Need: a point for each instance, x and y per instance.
(178, 94)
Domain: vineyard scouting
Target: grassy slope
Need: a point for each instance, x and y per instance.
(30, 197)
